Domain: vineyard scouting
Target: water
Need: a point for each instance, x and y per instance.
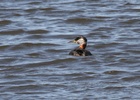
(34, 60)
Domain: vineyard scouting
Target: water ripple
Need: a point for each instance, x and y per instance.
(34, 60)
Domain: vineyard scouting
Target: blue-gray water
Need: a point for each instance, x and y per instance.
(34, 60)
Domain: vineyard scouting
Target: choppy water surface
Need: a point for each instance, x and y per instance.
(34, 60)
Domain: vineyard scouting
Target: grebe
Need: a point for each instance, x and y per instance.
(80, 51)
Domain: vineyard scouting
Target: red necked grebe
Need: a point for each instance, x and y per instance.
(80, 51)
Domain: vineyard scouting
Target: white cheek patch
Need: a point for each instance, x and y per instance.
(80, 41)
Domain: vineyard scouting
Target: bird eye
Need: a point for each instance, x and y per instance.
(77, 38)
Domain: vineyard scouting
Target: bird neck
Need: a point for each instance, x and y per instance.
(82, 46)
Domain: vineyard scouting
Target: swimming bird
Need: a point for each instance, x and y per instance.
(81, 50)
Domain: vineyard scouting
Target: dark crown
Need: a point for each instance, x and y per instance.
(77, 38)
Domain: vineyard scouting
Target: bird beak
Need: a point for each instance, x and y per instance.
(73, 41)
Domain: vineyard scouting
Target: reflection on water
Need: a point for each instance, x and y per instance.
(34, 60)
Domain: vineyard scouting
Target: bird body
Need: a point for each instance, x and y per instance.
(81, 50)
